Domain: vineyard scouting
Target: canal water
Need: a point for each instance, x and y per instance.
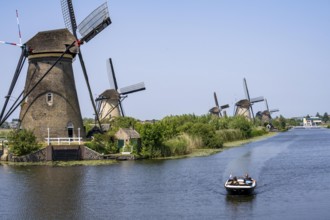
(292, 170)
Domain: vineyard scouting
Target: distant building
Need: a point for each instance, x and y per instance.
(312, 121)
(127, 138)
(14, 124)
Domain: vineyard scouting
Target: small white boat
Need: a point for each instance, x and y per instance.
(240, 185)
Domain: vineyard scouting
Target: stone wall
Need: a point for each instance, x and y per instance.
(45, 154)
(89, 154)
(38, 156)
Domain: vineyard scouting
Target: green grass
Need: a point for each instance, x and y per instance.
(246, 141)
(4, 132)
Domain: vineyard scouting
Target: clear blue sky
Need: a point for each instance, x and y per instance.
(184, 50)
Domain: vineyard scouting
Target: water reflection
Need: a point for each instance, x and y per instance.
(239, 205)
(239, 199)
(47, 192)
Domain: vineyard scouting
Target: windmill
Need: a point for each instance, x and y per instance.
(110, 101)
(244, 106)
(265, 116)
(217, 109)
(49, 99)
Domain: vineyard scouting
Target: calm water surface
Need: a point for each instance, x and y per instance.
(292, 170)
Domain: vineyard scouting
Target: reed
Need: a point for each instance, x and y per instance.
(181, 145)
(228, 135)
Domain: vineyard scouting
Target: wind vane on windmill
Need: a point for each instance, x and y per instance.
(110, 101)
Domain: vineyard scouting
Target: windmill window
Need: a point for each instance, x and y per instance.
(49, 98)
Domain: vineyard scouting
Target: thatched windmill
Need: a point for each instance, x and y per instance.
(110, 101)
(217, 110)
(49, 102)
(244, 106)
(52, 102)
(266, 115)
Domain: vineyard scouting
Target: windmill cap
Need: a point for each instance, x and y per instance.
(110, 94)
(52, 41)
(243, 103)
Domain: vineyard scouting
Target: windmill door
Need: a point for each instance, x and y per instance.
(121, 143)
(70, 130)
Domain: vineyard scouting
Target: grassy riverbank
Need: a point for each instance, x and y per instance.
(195, 153)
(208, 152)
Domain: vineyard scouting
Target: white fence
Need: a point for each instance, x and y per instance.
(64, 140)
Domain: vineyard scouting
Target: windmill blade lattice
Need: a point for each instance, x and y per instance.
(69, 17)
(94, 23)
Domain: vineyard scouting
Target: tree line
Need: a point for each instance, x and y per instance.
(170, 136)
(180, 135)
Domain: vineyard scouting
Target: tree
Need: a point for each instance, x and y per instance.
(5, 125)
(152, 139)
(22, 142)
(325, 117)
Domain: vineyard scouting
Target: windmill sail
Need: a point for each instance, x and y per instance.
(90, 21)
(111, 75)
(257, 99)
(94, 23)
(132, 88)
(68, 16)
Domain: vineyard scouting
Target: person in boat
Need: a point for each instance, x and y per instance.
(247, 177)
(234, 182)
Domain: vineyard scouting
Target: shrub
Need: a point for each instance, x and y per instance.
(258, 132)
(204, 131)
(175, 146)
(103, 143)
(228, 135)
(181, 145)
(215, 142)
(241, 123)
(22, 142)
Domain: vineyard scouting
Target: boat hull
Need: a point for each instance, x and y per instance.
(240, 189)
